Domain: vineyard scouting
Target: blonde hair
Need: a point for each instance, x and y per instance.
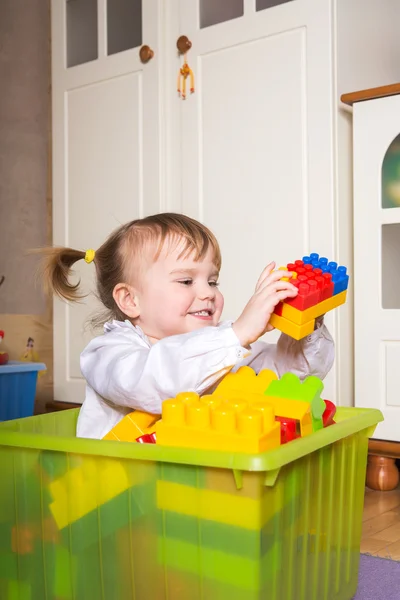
(124, 245)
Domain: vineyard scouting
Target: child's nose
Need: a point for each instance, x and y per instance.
(206, 292)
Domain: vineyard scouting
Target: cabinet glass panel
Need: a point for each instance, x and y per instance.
(263, 4)
(390, 266)
(124, 25)
(391, 175)
(213, 11)
(81, 31)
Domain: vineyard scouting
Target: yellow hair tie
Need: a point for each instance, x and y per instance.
(89, 256)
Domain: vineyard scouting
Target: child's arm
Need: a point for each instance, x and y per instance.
(313, 355)
(124, 370)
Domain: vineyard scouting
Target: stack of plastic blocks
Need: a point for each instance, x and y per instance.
(244, 414)
(322, 287)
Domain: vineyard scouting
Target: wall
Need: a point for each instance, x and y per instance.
(25, 186)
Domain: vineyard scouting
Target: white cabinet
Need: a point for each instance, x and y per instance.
(257, 138)
(260, 151)
(376, 133)
(106, 144)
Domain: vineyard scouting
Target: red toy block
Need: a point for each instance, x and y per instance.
(328, 286)
(329, 413)
(289, 429)
(22, 540)
(147, 438)
(313, 283)
(308, 295)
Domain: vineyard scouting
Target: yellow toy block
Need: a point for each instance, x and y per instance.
(300, 317)
(84, 488)
(293, 409)
(213, 423)
(237, 510)
(294, 274)
(244, 382)
(132, 426)
(293, 329)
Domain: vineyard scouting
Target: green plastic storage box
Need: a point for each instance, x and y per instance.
(102, 520)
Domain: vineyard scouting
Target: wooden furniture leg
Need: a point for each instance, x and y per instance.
(382, 472)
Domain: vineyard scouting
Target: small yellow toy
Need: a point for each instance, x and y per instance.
(133, 427)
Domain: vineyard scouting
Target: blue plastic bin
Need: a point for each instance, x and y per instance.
(18, 389)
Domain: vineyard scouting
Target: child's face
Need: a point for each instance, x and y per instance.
(178, 295)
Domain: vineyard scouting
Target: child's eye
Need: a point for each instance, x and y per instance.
(186, 281)
(213, 283)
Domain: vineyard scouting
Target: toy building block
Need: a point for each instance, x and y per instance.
(22, 540)
(322, 286)
(309, 292)
(244, 382)
(147, 438)
(298, 400)
(301, 317)
(214, 423)
(329, 413)
(134, 425)
(85, 488)
(19, 590)
(290, 429)
(339, 274)
(293, 329)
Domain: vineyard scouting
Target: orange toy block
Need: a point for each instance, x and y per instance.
(214, 423)
(132, 426)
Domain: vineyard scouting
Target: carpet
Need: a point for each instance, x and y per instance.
(379, 579)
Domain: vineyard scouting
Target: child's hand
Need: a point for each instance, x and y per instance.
(270, 290)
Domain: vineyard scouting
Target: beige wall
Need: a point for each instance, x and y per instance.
(25, 186)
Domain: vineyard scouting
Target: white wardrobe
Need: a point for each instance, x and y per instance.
(261, 151)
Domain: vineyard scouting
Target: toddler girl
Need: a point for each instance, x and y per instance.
(158, 279)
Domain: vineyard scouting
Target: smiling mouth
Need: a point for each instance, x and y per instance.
(202, 313)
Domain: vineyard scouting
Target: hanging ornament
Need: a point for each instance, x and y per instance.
(184, 44)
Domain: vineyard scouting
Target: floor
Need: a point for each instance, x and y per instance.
(381, 524)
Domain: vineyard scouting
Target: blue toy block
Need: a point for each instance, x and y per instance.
(339, 273)
(340, 280)
(318, 262)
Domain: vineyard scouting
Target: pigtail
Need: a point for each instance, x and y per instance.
(56, 269)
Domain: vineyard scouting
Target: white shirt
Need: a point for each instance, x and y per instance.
(124, 371)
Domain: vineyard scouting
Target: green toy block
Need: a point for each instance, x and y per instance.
(290, 386)
(185, 474)
(124, 509)
(247, 574)
(65, 573)
(18, 590)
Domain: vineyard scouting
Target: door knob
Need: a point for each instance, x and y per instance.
(183, 44)
(146, 54)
